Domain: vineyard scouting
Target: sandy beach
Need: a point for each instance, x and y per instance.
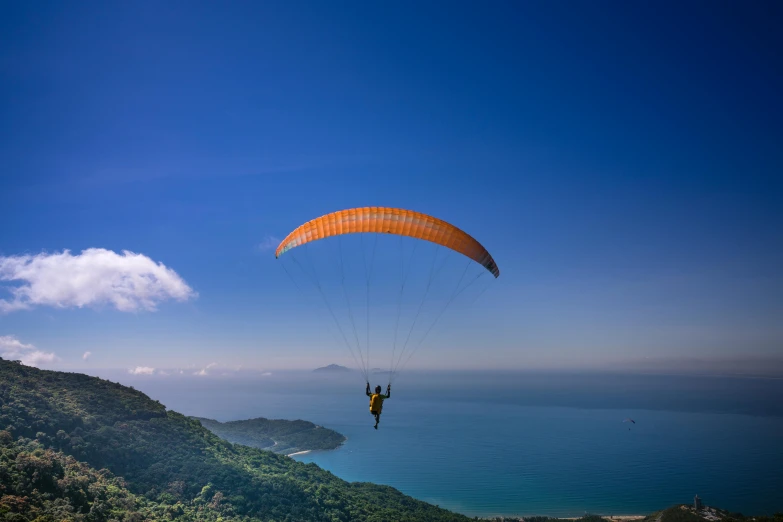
(298, 453)
(618, 518)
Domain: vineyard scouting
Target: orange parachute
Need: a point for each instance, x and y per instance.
(385, 220)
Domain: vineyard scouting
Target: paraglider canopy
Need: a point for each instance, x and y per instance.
(385, 220)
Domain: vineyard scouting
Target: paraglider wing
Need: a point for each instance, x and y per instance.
(385, 220)
(629, 420)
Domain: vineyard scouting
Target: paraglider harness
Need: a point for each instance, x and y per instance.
(376, 399)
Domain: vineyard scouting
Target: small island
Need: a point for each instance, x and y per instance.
(332, 368)
(279, 436)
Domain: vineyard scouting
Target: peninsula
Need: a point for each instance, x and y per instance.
(280, 436)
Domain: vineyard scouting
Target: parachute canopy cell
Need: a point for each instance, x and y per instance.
(385, 220)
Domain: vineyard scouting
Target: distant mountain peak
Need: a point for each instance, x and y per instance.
(333, 368)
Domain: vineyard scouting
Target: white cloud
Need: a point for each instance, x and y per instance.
(86, 355)
(266, 374)
(142, 370)
(269, 243)
(163, 373)
(13, 349)
(128, 282)
(204, 371)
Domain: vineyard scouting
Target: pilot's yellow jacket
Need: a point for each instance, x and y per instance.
(376, 402)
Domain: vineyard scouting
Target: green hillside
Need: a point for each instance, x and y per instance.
(280, 436)
(101, 451)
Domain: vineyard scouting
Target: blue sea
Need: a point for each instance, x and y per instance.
(524, 443)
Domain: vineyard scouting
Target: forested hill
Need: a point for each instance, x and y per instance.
(280, 436)
(80, 448)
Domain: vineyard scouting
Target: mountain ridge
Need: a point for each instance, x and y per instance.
(333, 368)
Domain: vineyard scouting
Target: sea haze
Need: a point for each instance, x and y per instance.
(521, 443)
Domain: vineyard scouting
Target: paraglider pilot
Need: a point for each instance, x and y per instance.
(376, 401)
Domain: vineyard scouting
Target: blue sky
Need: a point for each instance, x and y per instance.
(620, 161)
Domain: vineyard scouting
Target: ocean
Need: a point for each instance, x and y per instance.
(527, 443)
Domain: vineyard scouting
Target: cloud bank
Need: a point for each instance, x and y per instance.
(205, 371)
(142, 370)
(128, 282)
(13, 349)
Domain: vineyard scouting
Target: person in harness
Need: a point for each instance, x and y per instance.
(376, 401)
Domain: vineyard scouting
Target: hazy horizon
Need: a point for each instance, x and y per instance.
(764, 367)
(742, 366)
(749, 366)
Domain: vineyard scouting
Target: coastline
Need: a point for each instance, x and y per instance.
(304, 452)
(614, 518)
(619, 518)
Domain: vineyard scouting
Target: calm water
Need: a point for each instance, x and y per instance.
(486, 444)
